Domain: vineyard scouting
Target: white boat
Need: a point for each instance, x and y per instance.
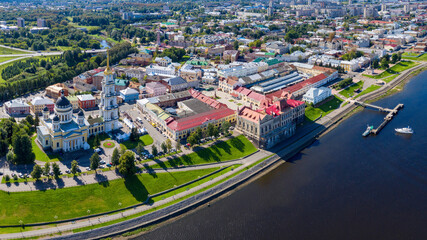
(407, 130)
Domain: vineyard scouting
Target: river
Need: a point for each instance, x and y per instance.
(343, 186)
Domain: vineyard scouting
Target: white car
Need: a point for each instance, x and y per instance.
(88, 169)
(102, 162)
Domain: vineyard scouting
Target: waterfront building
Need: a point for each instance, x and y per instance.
(272, 123)
(316, 95)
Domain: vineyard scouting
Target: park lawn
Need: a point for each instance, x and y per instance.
(348, 92)
(312, 113)
(8, 51)
(74, 202)
(368, 90)
(386, 73)
(102, 137)
(41, 155)
(403, 65)
(4, 59)
(145, 140)
(234, 148)
(389, 79)
(108, 144)
(413, 56)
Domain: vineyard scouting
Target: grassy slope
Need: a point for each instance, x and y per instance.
(399, 67)
(42, 156)
(368, 90)
(348, 92)
(4, 59)
(145, 140)
(40, 206)
(7, 51)
(312, 113)
(420, 58)
(231, 149)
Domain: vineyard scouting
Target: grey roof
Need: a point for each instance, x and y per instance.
(196, 106)
(175, 81)
(63, 102)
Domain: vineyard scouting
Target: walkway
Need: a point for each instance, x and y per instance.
(67, 227)
(85, 179)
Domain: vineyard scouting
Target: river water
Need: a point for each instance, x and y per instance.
(344, 186)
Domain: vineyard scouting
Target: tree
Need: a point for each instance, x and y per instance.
(30, 119)
(331, 36)
(127, 164)
(55, 169)
(37, 172)
(97, 141)
(23, 149)
(94, 161)
(236, 45)
(122, 149)
(168, 144)
(10, 156)
(46, 169)
(134, 136)
(384, 63)
(178, 146)
(74, 167)
(164, 147)
(394, 58)
(375, 64)
(210, 130)
(115, 157)
(192, 139)
(224, 127)
(154, 150)
(139, 148)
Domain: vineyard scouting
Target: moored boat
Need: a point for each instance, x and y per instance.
(407, 130)
(367, 131)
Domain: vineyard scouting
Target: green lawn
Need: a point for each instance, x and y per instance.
(348, 92)
(8, 51)
(312, 113)
(108, 144)
(145, 140)
(73, 202)
(368, 90)
(402, 66)
(411, 56)
(41, 155)
(231, 149)
(389, 79)
(4, 59)
(102, 137)
(399, 67)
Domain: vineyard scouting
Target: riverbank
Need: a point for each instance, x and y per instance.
(330, 124)
(305, 139)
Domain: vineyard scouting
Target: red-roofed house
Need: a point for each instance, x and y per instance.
(302, 87)
(272, 123)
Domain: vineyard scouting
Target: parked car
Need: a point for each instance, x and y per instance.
(88, 169)
(102, 162)
(98, 150)
(67, 171)
(109, 165)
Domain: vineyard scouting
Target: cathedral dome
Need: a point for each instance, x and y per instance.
(56, 118)
(81, 114)
(63, 102)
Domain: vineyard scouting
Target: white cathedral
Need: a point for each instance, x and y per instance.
(67, 132)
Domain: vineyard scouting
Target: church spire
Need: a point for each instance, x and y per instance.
(108, 70)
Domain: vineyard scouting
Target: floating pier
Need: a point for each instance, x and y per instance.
(390, 114)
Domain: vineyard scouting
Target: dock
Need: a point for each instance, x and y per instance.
(390, 114)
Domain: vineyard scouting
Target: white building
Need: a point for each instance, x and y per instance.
(316, 95)
(168, 71)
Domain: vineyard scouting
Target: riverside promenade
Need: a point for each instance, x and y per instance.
(303, 138)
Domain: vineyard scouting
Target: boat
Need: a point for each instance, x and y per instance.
(367, 131)
(407, 130)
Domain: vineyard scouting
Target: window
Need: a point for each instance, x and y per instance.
(47, 142)
(57, 144)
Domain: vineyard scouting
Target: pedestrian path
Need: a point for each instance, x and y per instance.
(69, 226)
(85, 179)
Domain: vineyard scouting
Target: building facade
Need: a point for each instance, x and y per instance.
(271, 124)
